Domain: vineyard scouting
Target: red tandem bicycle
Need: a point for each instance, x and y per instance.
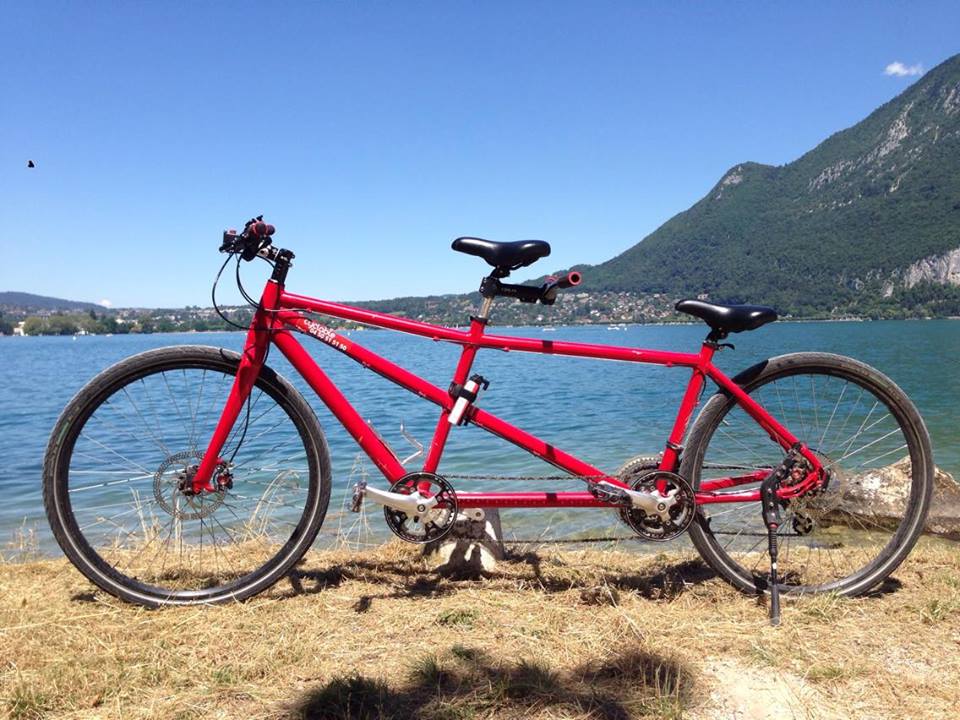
(193, 474)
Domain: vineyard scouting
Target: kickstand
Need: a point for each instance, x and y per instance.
(771, 519)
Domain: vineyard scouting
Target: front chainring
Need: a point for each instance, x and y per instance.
(680, 502)
(436, 523)
(634, 468)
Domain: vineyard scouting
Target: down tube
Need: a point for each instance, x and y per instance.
(364, 435)
(426, 390)
(539, 448)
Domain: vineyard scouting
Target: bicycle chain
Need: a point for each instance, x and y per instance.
(554, 478)
(533, 478)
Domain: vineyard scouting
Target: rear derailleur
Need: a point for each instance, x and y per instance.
(792, 470)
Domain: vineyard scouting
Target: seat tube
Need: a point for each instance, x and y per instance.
(442, 431)
(691, 397)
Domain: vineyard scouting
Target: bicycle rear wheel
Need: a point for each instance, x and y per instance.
(869, 436)
(114, 478)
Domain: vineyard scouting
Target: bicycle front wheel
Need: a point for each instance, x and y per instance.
(115, 469)
(875, 448)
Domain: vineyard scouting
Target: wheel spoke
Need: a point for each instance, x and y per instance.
(128, 467)
(849, 423)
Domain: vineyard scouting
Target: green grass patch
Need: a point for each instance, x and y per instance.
(459, 618)
(937, 610)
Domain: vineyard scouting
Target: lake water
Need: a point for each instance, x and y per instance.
(602, 412)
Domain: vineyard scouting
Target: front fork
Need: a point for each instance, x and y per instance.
(251, 361)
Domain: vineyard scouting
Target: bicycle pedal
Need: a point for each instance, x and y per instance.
(359, 490)
(605, 492)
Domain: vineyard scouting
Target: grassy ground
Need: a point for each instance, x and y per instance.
(550, 635)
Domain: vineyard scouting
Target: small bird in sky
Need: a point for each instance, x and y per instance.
(30, 164)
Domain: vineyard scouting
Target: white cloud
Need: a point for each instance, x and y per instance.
(898, 69)
(105, 303)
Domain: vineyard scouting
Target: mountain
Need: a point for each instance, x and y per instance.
(870, 216)
(29, 301)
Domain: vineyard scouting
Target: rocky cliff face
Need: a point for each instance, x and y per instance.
(941, 269)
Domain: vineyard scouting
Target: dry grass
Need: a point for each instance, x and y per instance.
(552, 634)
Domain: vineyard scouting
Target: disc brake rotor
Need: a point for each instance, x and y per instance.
(171, 477)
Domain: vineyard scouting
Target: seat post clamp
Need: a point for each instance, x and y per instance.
(489, 287)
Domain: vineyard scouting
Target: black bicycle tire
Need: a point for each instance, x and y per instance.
(105, 384)
(897, 401)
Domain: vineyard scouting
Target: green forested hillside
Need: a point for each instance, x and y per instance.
(836, 230)
(11, 300)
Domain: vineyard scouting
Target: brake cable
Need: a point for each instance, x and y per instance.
(213, 294)
(251, 303)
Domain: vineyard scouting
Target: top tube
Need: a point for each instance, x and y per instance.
(496, 342)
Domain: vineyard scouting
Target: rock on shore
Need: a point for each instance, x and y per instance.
(877, 497)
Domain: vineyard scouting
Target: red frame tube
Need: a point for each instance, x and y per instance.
(280, 312)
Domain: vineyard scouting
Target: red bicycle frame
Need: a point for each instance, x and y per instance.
(280, 313)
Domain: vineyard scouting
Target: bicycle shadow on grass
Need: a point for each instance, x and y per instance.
(409, 578)
(404, 577)
(466, 682)
(658, 583)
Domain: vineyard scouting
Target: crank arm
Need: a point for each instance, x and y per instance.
(652, 503)
(412, 504)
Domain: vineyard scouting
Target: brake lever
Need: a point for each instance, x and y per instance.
(253, 246)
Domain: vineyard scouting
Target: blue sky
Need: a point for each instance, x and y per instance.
(372, 133)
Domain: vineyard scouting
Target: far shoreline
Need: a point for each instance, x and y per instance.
(617, 325)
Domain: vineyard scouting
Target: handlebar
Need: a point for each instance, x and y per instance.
(545, 293)
(571, 279)
(549, 290)
(253, 241)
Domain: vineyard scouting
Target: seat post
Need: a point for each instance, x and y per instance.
(488, 291)
(485, 308)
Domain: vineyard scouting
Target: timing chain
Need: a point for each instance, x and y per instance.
(554, 478)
